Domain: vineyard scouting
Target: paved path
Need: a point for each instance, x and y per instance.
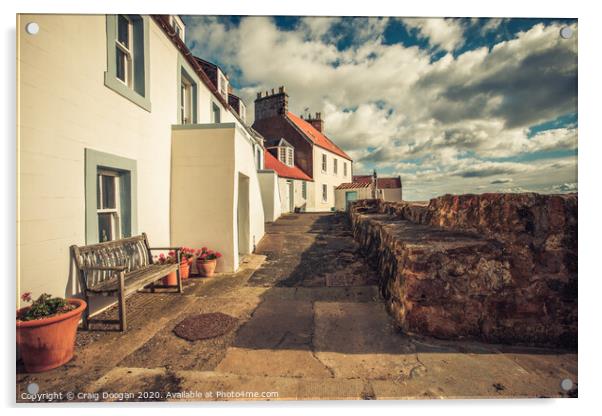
(312, 326)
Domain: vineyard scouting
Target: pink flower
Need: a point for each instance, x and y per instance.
(26, 297)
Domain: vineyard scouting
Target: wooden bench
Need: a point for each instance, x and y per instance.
(120, 268)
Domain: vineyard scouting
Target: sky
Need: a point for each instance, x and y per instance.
(458, 105)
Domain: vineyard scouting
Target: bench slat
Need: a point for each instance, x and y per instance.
(136, 279)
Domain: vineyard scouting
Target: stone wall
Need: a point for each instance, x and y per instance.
(495, 267)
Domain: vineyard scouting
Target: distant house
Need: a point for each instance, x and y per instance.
(368, 187)
(122, 131)
(301, 144)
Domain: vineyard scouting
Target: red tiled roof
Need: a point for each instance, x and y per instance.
(382, 183)
(284, 171)
(316, 137)
(353, 185)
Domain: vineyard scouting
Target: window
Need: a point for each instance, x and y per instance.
(324, 164)
(304, 189)
(258, 158)
(128, 58)
(111, 196)
(242, 111)
(344, 168)
(286, 154)
(324, 193)
(335, 165)
(123, 50)
(107, 205)
(186, 97)
(215, 113)
(177, 28)
(223, 86)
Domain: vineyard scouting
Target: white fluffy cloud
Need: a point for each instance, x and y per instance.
(447, 34)
(463, 120)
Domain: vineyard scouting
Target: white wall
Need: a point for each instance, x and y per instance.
(315, 202)
(206, 163)
(341, 201)
(63, 108)
(393, 194)
(298, 200)
(245, 164)
(270, 195)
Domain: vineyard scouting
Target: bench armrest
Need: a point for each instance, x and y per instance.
(104, 268)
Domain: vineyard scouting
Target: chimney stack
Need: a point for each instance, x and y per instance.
(317, 122)
(271, 105)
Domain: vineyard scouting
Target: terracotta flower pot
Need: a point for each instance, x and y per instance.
(190, 261)
(206, 268)
(184, 269)
(171, 279)
(48, 343)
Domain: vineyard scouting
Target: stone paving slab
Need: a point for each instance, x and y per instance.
(280, 363)
(278, 324)
(325, 294)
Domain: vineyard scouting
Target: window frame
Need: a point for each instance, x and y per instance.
(186, 101)
(114, 212)
(215, 109)
(344, 168)
(128, 51)
(324, 163)
(137, 85)
(335, 166)
(324, 193)
(304, 189)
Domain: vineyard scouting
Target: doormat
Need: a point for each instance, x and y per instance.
(205, 326)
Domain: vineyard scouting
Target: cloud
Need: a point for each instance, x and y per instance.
(449, 124)
(446, 34)
(500, 181)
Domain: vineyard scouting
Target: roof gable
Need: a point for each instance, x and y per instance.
(315, 136)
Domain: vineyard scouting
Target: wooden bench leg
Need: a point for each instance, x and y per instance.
(178, 274)
(86, 314)
(180, 289)
(122, 315)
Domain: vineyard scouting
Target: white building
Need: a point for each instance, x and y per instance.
(368, 187)
(121, 131)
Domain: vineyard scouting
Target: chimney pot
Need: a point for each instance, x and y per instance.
(272, 91)
(281, 89)
(259, 94)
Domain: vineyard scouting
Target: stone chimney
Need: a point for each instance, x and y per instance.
(271, 104)
(317, 122)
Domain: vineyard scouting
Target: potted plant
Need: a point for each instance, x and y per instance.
(172, 278)
(46, 331)
(187, 259)
(206, 261)
(188, 253)
(184, 264)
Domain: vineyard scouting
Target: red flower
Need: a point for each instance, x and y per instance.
(26, 297)
(218, 254)
(204, 249)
